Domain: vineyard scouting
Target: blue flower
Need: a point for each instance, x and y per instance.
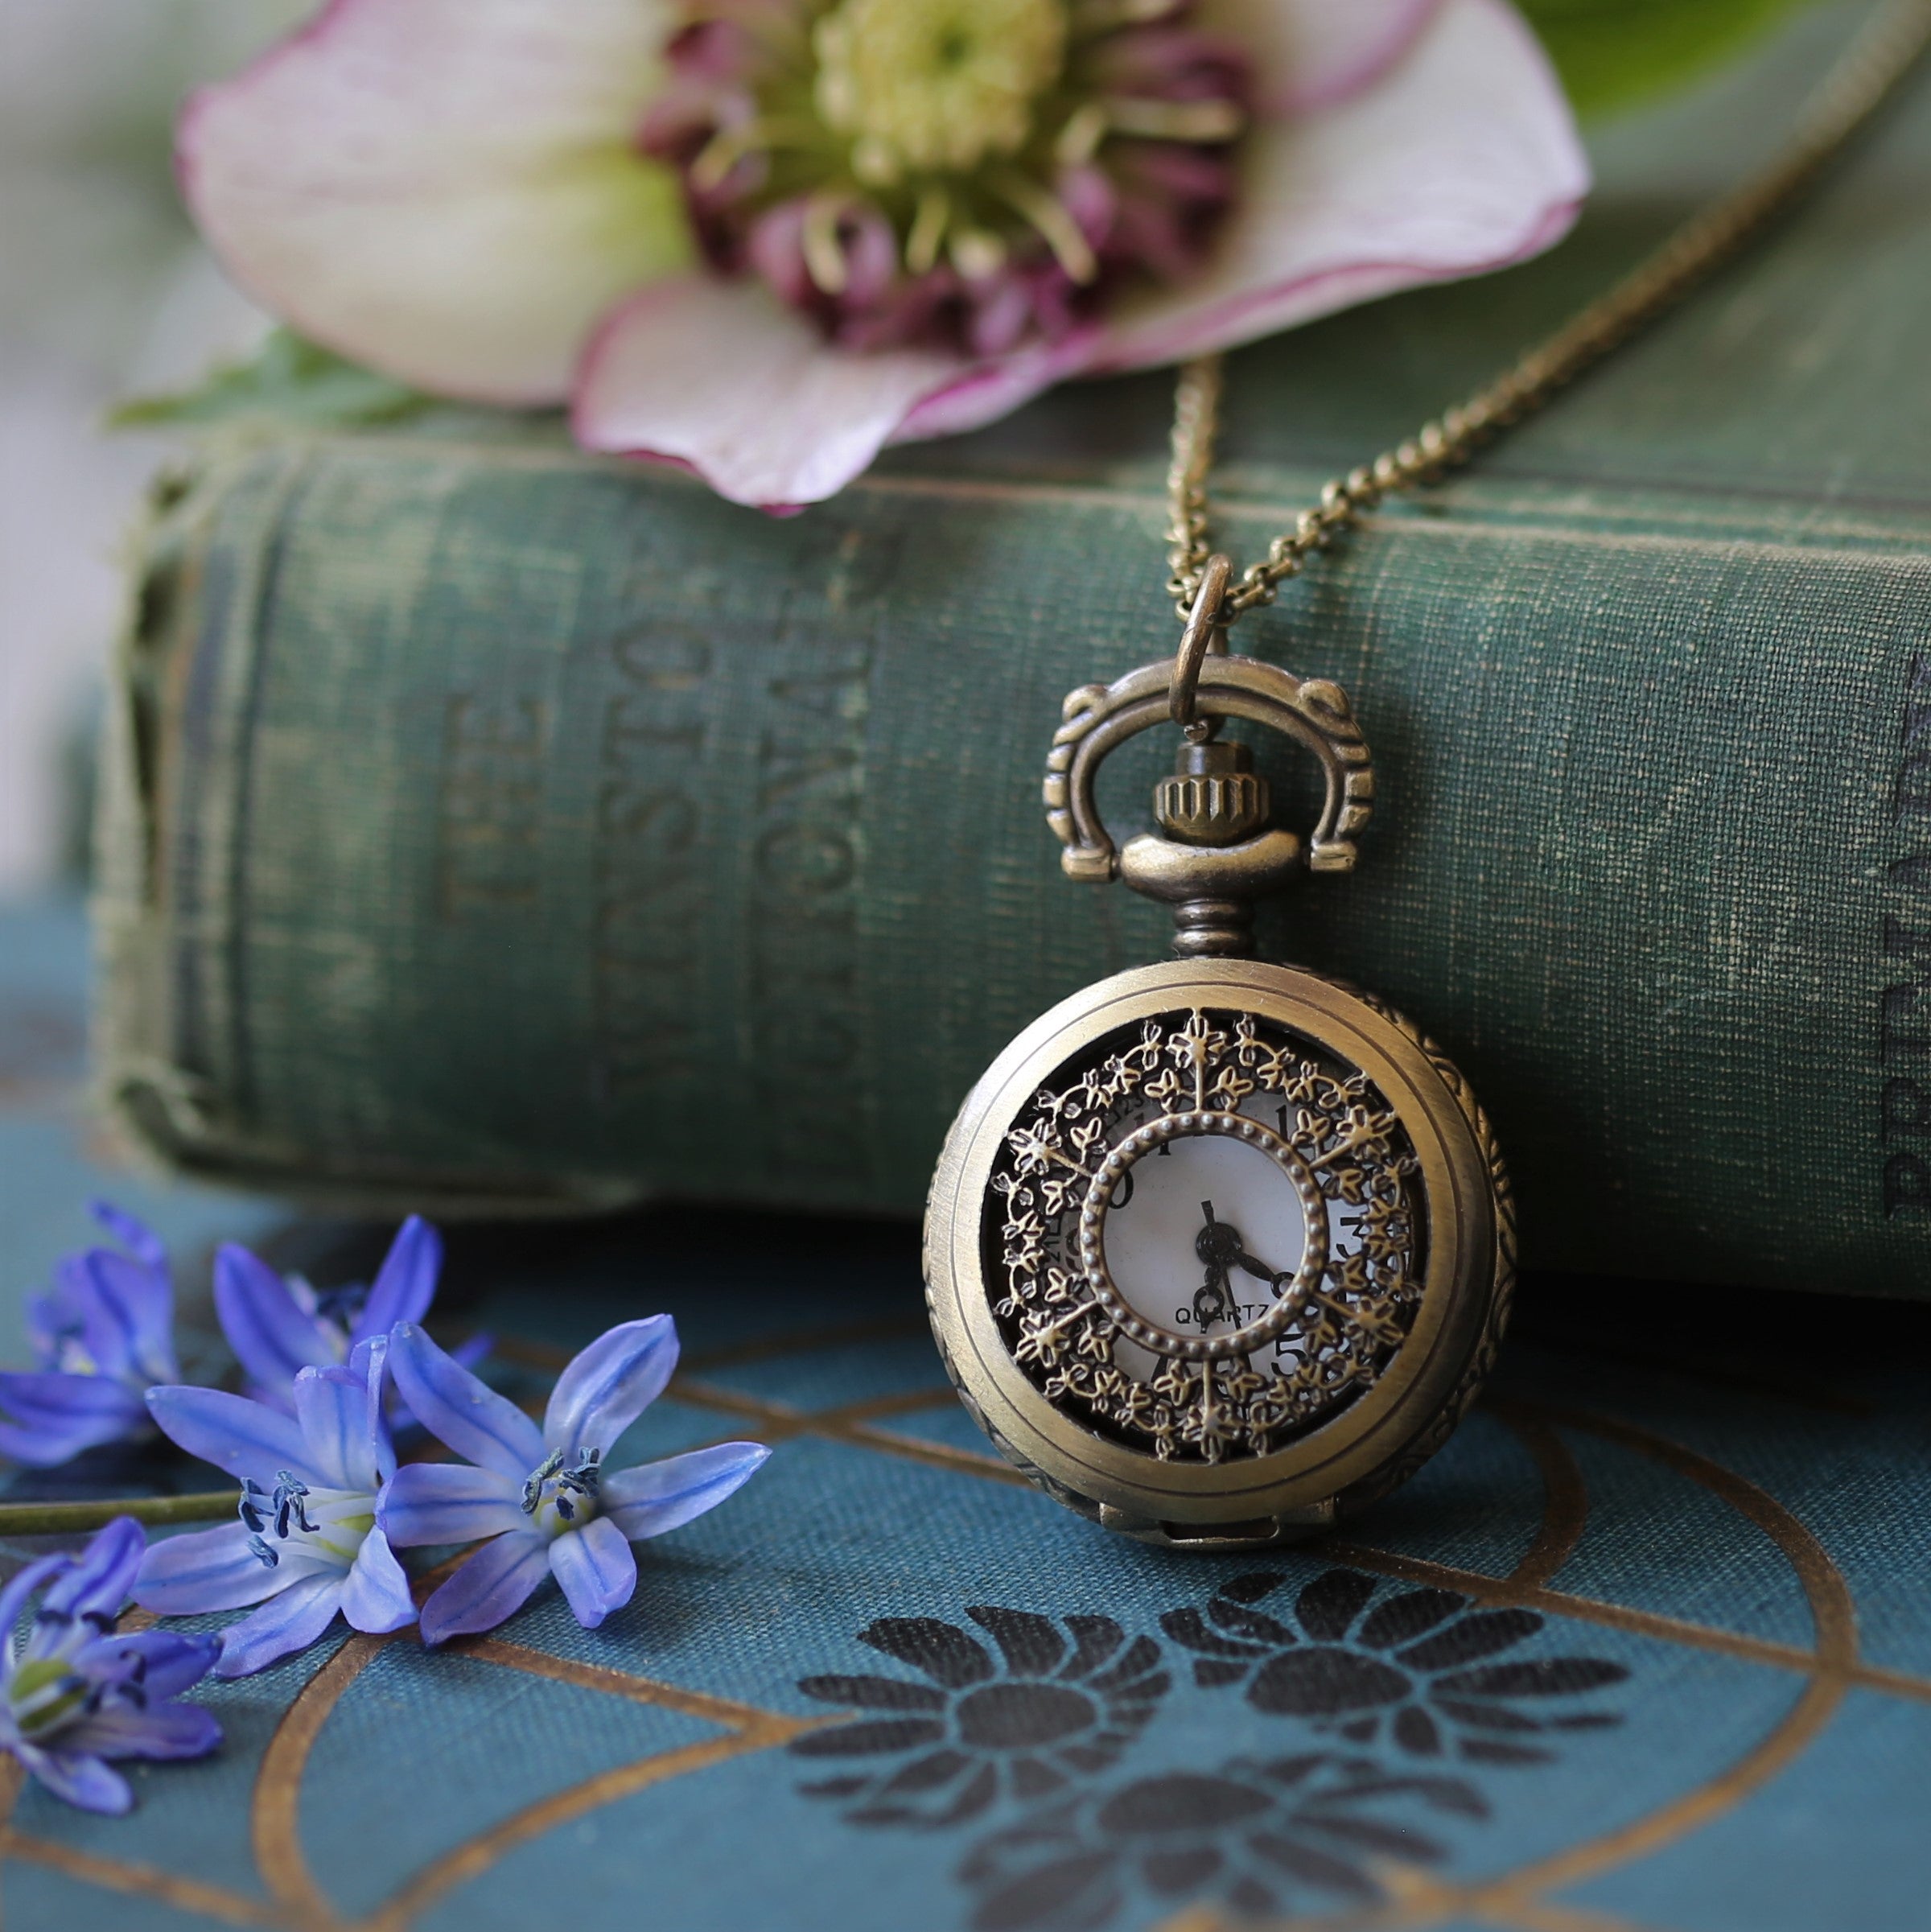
(543, 1497)
(103, 1335)
(278, 1324)
(76, 1693)
(307, 1545)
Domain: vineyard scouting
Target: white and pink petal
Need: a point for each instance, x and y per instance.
(446, 190)
(719, 377)
(1307, 55)
(1462, 157)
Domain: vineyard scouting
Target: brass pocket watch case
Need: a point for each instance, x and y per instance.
(1217, 1252)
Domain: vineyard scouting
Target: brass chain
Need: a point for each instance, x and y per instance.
(1853, 90)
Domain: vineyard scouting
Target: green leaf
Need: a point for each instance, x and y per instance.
(1611, 53)
(288, 381)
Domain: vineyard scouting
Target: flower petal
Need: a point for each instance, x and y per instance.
(1311, 54)
(243, 1437)
(80, 1780)
(445, 1502)
(473, 1348)
(984, 392)
(376, 1596)
(721, 377)
(654, 1496)
(368, 1359)
(50, 1316)
(19, 1588)
(137, 1237)
(207, 1569)
(448, 190)
(97, 1584)
(161, 1730)
(1462, 158)
(493, 1584)
(478, 1424)
(135, 1300)
(170, 1662)
(273, 1337)
(406, 1283)
(606, 1388)
(53, 1417)
(340, 1411)
(287, 1623)
(596, 1569)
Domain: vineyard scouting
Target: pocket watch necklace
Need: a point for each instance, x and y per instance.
(1218, 1251)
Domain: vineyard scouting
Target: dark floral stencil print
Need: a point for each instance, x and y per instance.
(1053, 1704)
(1261, 1839)
(1422, 1666)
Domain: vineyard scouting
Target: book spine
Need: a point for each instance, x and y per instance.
(489, 830)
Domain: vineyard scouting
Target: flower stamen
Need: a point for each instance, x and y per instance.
(553, 1481)
(1053, 219)
(824, 255)
(290, 1501)
(1172, 119)
(959, 174)
(343, 1305)
(928, 230)
(285, 1510)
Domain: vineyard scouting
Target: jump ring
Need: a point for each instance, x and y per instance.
(1206, 631)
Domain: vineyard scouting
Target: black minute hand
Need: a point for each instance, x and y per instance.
(1274, 1277)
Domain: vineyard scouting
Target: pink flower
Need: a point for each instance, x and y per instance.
(765, 246)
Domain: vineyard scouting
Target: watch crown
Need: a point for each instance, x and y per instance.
(1215, 796)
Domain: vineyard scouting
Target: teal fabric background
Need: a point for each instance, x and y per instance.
(1702, 1520)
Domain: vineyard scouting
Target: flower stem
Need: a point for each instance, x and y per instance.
(59, 1518)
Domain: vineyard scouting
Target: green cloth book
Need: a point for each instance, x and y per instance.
(490, 827)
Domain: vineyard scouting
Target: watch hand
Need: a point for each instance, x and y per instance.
(1211, 1302)
(1218, 1242)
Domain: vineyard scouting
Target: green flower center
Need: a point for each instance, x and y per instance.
(922, 85)
(46, 1696)
(957, 172)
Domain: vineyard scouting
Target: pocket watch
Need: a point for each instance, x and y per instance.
(1217, 1252)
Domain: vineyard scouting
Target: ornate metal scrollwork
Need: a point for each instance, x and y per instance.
(1099, 718)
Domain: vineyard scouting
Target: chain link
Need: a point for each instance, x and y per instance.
(1879, 58)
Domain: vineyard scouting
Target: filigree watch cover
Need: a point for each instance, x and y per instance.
(1205, 1238)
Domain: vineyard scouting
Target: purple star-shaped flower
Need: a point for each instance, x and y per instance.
(102, 1335)
(278, 1324)
(76, 1693)
(542, 1497)
(306, 1546)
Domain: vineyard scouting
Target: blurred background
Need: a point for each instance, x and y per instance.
(104, 293)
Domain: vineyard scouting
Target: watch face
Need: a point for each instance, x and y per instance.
(1201, 1236)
